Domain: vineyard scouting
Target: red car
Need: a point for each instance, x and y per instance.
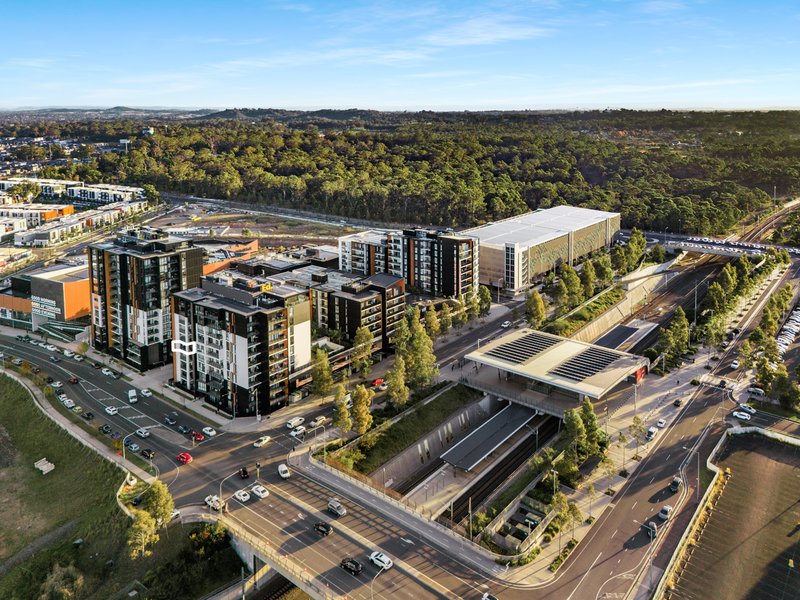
(73, 380)
(197, 436)
(185, 458)
(377, 382)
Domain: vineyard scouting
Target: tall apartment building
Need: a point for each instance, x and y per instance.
(238, 339)
(346, 301)
(133, 279)
(439, 263)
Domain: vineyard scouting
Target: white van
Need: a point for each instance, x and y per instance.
(133, 397)
(754, 391)
(651, 433)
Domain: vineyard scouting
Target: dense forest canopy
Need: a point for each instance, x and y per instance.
(682, 172)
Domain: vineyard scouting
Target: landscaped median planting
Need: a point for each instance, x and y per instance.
(376, 447)
(563, 555)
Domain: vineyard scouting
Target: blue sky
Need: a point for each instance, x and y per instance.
(520, 54)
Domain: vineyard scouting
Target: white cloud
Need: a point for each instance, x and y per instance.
(485, 30)
(660, 7)
(31, 63)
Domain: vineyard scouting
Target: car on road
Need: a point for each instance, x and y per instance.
(107, 372)
(505, 324)
(244, 473)
(69, 404)
(97, 366)
(56, 385)
(209, 431)
(185, 458)
(675, 484)
(62, 397)
(50, 347)
(380, 560)
(335, 506)
(318, 421)
(295, 422)
(651, 433)
(298, 431)
(747, 408)
(377, 382)
(78, 358)
(382, 387)
(351, 565)
(88, 416)
(735, 364)
(133, 446)
(241, 495)
(197, 436)
(111, 410)
(146, 393)
(48, 379)
(168, 420)
(652, 530)
(661, 423)
(142, 432)
(665, 512)
(260, 491)
(73, 380)
(741, 415)
(77, 410)
(148, 453)
(53, 359)
(488, 596)
(105, 428)
(35, 369)
(322, 528)
(184, 429)
(69, 353)
(283, 471)
(262, 441)
(213, 502)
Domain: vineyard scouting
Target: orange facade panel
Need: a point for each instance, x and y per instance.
(15, 303)
(77, 299)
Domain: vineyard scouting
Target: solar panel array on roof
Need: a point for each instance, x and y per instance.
(523, 348)
(582, 366)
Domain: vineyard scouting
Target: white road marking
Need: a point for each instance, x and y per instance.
(634, 504)
(589, 570)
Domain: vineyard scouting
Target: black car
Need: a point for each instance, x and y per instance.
(323, 528)
(169, 420)
(97, 365)
(352, 566)
(36, 370)
(243, 473)
(677, 402)
(105, 428)
(137, 500)
(88, 416)
(184, 429)
(49, 380)
(148, 454)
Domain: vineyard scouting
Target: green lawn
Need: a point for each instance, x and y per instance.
(376, 447)
(568, 325)
(81, 489)
(776, 409)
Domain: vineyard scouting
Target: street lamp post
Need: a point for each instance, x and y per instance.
(220, 488)
(123, 444)
(697, 452)
(372, 585)
(555, 477)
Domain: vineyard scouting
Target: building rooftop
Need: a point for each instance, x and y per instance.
(538, 226)
(77, 270)
(561, 362)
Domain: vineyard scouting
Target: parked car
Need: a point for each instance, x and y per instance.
(741, 415)
(651, 433)
(382, 387)
(262, 441)
(377, 382)
(283, 471)
(78, 358)
(133, 446)
(88, 416)
(352, 566)
(295, 422)
(665, 512)
(105, 428)
(146, 393)
(380, 560)
(747, 408)
(322, 528)
(107, 372)
(298, 431)
(318, 421)
(185, 458)
(148, 453)
(505, 324)
(241, 495)
(69, 353)
(56, 385)
(260, 491)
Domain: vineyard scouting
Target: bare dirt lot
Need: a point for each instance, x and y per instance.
(754, 529)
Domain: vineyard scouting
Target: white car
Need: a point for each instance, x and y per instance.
(283, 471)
(665, 511)
(383, 387)
(318, 421)
(78, 358)
(741, 415)
(111, 410)
(505, 324)
(735, 364)
(56, 385)
(747, 408)
(380, 560)
(260, 491)
(292, 423)
(241, 496)
(107, 372)
(142, 432)
(209, 431)
(62, 397)
(661, 423)
(50, 347)
(262, 441)
(298, 431)
(146, 393)
(69, 353)
(134, 447)
(213, 502)
(69, 404)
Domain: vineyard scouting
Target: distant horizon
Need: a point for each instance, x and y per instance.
(440, 55)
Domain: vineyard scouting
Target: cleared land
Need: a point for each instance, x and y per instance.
(76, 500)
(754, 529)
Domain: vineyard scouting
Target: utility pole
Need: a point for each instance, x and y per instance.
(470, 517)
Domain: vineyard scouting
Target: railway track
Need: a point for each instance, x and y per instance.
(496, 475)
(418, 477)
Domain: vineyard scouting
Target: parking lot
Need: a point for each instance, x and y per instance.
(754, 529)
